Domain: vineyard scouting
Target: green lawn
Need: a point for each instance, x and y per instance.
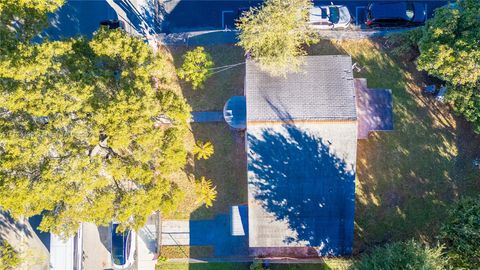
(333, 265)
(407, 178)
(220, 86)
(226, 168)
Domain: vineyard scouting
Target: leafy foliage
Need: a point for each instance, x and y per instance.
(206, 192)
(203, 150)
(21, 20)
(450, 51)
(405, 44)
(9, 258)
(461, 233)
(195, 68)
(274, 34)
(466, 101)
(257, 265)
(449, 46)
(78, 138)
(408, 255)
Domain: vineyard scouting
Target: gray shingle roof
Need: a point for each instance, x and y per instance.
(322, 90)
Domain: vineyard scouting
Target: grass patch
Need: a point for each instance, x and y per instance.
(406, 178)
(220, 86)
(203, 266)
(330, 264)
(226, 168)
(179, 252)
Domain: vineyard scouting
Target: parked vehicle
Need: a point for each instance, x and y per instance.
(113, 24)
(329, 17)
(66, 254)
(391, 14)
(123, 248)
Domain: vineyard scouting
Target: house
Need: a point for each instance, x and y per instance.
(301, 143)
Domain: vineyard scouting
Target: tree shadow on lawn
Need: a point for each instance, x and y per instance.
(220, 86)
(407, 178)
(226, 167)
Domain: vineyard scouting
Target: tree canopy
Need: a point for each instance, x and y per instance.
(450, 50)
(449, 47)
(79, 141)
(9, 258)
(196, 67)
(275, 33)
(461, 233)
(408, 255)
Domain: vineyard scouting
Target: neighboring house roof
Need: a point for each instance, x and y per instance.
(301, 153)
(322, 90)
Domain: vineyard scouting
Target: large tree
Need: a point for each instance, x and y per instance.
(450, 50)
(450, 47)
(275, 33)
(79, 138)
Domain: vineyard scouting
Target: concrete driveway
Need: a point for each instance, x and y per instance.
(96, 247)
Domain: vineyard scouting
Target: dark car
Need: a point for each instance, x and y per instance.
(391, 14)
(113, 24)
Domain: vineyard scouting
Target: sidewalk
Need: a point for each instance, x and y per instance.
(212, 37)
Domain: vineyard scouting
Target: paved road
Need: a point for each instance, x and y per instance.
(82, 17)
(190, 15)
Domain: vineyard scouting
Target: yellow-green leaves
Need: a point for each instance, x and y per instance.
(274, 35)
(78, 137)
(203, 150)
(449, 47)
(195, 67)
(206, 191)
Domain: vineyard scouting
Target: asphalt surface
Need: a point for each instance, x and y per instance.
(190, 15)
(83, 17)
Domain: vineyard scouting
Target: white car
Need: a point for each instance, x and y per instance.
(123, 248)
(329, 17)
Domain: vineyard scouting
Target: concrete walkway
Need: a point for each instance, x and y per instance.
(205, 117)
(176, 233)
(147, 247)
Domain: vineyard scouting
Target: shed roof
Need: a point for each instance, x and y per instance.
(322, 90)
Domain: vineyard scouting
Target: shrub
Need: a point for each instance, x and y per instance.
(461, 233)
(408, 255)
(196, 67)
(405, 44)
